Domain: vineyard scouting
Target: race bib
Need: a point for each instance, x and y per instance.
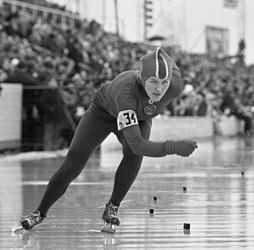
(126, 119)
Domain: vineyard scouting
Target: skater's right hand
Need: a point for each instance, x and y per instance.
(184, 147)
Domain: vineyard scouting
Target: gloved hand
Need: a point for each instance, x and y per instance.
(183, 147)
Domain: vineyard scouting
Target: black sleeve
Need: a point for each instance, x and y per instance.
(141, 146)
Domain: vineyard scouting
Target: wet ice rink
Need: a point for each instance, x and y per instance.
(218, 201)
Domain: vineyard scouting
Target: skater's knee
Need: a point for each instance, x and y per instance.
(71, 170)
(73, 155)
(129, 154)
(67, 173)
(61, 180)
(127, 151)
(76, 157)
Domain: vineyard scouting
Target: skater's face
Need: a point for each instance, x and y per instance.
(156, 88)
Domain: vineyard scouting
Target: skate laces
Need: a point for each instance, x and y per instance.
(33, 218)
(112, 209)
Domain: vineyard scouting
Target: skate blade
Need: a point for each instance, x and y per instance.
(108, 228)
(18, 229)
(94, 230)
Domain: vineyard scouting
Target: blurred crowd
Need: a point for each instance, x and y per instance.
(217, 87)
(62, 60)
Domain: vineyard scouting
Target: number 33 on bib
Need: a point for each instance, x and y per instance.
(126, 118)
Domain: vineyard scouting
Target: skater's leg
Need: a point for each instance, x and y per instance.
(129, 166)
(124, 177)
(91, 131)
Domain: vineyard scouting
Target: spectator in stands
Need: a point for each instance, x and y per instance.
(232, 106)
(3, 75)
(201, 105)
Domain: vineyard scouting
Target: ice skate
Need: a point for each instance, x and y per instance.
(29, 221)
(110, 218)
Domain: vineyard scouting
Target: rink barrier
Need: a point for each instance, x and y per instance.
(171, 128)
(228, 126)
(10, 115)
(36, 155)
(194, 128)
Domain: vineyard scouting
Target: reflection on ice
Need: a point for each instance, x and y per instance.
(218, 202)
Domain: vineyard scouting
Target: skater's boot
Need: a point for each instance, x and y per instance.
(110, 218)
(29, 221)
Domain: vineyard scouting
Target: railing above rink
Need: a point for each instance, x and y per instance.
(19, 5)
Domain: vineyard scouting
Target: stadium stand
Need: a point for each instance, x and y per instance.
(61, 60)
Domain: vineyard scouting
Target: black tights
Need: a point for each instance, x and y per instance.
(93, 128)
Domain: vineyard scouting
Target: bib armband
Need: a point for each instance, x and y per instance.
(126, 118)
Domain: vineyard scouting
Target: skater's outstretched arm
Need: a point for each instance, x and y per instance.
(141, 146)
